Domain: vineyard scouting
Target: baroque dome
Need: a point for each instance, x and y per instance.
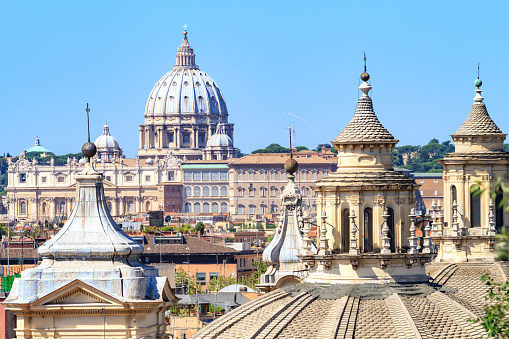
(219, 139)
(185, 89)
(106, 141)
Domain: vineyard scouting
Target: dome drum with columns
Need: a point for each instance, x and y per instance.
(183, 110)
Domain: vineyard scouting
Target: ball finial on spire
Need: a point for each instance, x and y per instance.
(478, 83)
(185, 30)
(365, 75)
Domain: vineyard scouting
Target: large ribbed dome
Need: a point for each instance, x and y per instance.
(185, 89)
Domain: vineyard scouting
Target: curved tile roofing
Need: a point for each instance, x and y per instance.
(478, 122)
(364, 125)
(426, 310)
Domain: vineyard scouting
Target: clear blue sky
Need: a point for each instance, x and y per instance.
(268, 58)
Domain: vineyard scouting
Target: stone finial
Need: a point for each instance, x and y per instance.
(426, 244)
(491, 218)
(412, 239)
(353, 237)
(324, 242)
(386, 240)
(455, 223)
(307, 242)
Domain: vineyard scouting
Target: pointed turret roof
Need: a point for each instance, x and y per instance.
(478, 122)
(364, 125)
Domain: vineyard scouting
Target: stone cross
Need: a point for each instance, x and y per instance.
(412, 239)
(386, 241)
(185, 27)
(353, 238)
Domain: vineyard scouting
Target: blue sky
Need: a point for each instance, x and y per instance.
(268, 58)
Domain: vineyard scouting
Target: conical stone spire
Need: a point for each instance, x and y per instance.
(364, 125)
(185, 56)
(478, 122)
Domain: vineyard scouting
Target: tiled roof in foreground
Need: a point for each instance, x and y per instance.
(430, 310)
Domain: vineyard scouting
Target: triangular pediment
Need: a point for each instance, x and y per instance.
(78, 292)
(164, 290)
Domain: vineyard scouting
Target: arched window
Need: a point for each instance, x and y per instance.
(206, 191)
(224, 207)
(499, 210)
(62, 207)
(130, 206)
(187, 208)
(368, 230)
(197, 207)
(392, 235)
(454, 197)
(23, 207)
(304, 191)
(215, 207)
(188, 191)
(345, 230)
(224, 191)
(197, 191)
(43, 208)
(475, 209)
(215, 191)
(206, 208)
(147, 206)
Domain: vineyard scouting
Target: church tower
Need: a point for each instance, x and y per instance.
(472, 218)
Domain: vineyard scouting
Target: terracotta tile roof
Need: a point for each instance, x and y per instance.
(280, 158)
(16, 269)
(478, 122)
(191, 245)
(364, 125)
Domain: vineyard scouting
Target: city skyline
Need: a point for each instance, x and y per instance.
(280, 58)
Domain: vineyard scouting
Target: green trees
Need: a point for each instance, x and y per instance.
(422, 159)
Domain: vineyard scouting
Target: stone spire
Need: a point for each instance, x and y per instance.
(282, 253)
(185, 55)
(364, 125)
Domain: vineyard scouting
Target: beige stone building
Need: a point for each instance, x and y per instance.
(366, 184)
(257, 181)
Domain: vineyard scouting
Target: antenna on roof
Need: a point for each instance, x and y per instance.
(292, 130)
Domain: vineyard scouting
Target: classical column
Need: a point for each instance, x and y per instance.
(114, 206)
(121, 205)
(159, 137)
(141, 136)
(195, 137)
(52, 208)
(177, 137)
(147, 137)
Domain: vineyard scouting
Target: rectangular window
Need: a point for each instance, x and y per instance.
(197, 176)
(262, 175)
(436, 192)
(22, 178)
(43, 179)
(435, 181)
(201, 278)
(206, 176)
(273, 176)
(201, 137)
(251, 193)
(108, 178)
(262, 192)
(61, 179)
(188, 176)
(251, 176)
(241, 209)
(314, 175)
(186, 138)
(147, 178)
(170, 137)
(213, 275)
(240, 176)
(215, 176)
(224, 176)
(251, 209)
(171, 176)
(129, 178)
(421, 181)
